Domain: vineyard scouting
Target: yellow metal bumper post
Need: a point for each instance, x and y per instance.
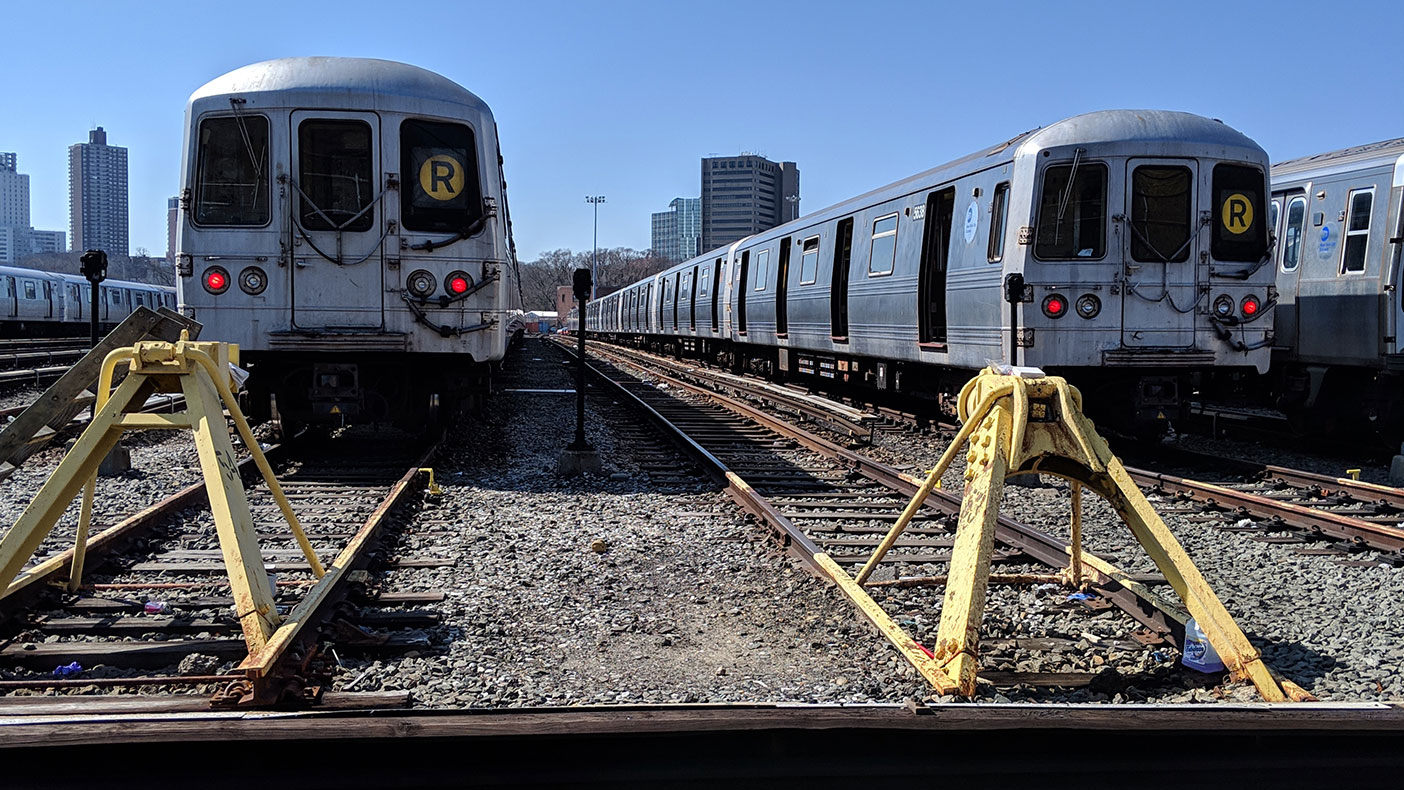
(1017, 425)
(201, 371)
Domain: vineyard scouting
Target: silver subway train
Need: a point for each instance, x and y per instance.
(345, 222)
(1339, 361)
(35, 303)
(1127, 250)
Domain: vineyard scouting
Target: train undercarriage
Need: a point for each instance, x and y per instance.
(412, 392)
(1128, 400)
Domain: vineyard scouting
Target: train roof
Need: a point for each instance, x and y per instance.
(1357, 157)
(318, 81)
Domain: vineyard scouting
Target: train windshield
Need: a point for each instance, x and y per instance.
(1240, 218)
(335, 171)
(1161, 210)
(231, 176)
(1072, 214)
(440, 166)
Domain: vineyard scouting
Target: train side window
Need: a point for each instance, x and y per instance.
(884, 246)
(809, 261)
(31, 291)
(1239, 214)
(1162, 205)
(998, 219)
(114, 296)
(1072, 213)
(231, 172)
(702, 286)
(439, 164)
(762, 264)
(1357, 234)
(1293, 232)
(1274, 211)
(336, 174)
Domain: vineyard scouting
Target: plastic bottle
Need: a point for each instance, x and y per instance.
(1199, 654)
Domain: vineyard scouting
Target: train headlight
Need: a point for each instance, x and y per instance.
(1223, 306)
(420, 283)
(1088, 306)
(1055, 306)
(1250, 306)
(216, 280)
(253, 280)
(458, 283)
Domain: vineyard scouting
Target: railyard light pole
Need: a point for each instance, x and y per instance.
(595, 200)
(793, 200)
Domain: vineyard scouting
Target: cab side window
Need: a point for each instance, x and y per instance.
(1357, 234)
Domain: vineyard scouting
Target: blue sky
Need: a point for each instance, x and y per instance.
(623, 98)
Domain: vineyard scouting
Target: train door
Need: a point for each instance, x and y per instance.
(782, 290)
(72, 302)
(935, 252)
(716, 291)
(838, 289)
(692, 303)
(1394, 260)
(1291, 233)
(1160, 253)
(741, 293)
(339, 220)
(677, 296)
(11, 297)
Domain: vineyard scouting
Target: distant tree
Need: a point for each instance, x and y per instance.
(618, 267)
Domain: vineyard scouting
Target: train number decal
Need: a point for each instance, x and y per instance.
(1237, 213)
(441, 177)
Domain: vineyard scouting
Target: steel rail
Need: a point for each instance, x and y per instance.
(1150, 609)
(262, 665)
(1325, 522)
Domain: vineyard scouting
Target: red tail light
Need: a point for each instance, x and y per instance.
(216, 280)
(458, 283)
(1250, 306)
(1055, 306)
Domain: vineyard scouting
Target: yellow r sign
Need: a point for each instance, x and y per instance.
(1237, 214)
(441, 177)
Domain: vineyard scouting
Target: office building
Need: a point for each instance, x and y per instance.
(746, 194)
(97, 195)
(677, 232)
(44, 242)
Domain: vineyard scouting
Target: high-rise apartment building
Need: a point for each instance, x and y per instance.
(677, 232)
(97, 195)
(19, 240)
(746, 194)
(14, 192)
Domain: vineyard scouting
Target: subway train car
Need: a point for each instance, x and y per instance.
(36, 303)
(1126, 250)
(1339, 361)
(345, 222)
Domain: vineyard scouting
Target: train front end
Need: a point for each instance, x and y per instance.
(1145, 257)
(345, 222)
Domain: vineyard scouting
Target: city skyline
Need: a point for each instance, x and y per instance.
(631, 126)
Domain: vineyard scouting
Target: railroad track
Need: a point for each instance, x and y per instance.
(155, 608)
(820, 497)
(1315, 513)
(1276, 504)
(38, 360)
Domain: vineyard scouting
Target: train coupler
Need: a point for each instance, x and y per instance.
(1021, 421)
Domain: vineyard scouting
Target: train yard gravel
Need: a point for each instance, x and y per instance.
(609, 588)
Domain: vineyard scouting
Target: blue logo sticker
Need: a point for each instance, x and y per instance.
(1327, 245)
